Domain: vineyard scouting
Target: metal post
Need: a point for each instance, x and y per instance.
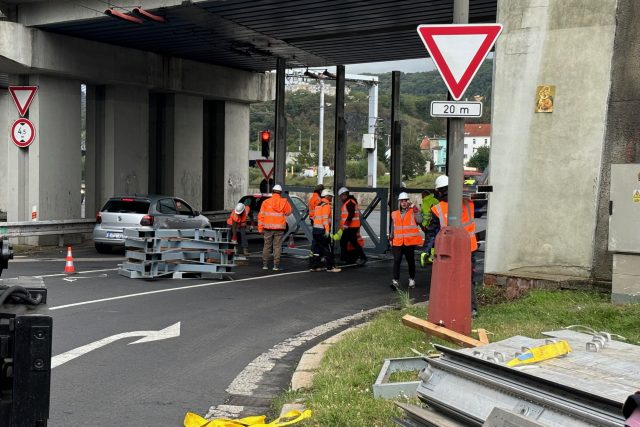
(456, 150)
(396, 138)
(299, 141)
(321, 135)
(340, 149)
(280, 140)
(373, 118)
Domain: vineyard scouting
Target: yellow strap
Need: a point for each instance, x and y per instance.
(540, 353)
(291, 417)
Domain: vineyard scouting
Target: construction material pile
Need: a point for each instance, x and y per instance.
(569, 379)
(199, 253)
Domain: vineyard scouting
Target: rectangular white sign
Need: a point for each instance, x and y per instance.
(456, 109)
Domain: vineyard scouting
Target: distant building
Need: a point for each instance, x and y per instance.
(475, 136)
(438, 147)
(313, 87)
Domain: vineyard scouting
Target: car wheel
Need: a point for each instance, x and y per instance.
(103, 249)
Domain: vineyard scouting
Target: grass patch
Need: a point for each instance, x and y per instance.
(342, 388)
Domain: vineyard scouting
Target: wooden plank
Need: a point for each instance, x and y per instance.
(482, 336)
(440, 331)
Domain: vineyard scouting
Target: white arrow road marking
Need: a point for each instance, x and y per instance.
(74, 278)
(147, 336)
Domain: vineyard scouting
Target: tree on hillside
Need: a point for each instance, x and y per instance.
(412, 161)
(480, 158)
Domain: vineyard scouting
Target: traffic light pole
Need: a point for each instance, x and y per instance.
(280, 140)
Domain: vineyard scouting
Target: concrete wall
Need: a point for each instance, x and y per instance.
(546, 166)
(187, 149)
(236, 152)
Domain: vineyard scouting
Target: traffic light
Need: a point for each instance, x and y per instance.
(265, 139)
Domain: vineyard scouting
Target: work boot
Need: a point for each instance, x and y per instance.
(246, 251)
(395, 285)
(361, 261)
(334, 270)
(276, 268)
(412, 283)
(265, 267)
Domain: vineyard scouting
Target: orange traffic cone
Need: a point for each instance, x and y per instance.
(292, 242)
(68, 267)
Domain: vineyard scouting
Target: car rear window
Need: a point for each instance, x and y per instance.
(126, 206)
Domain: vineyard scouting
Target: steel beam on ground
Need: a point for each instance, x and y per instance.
(280, 140)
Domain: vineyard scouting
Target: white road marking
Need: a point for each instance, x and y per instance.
(159, 291)
(75, 277)
(147, 336)
(62, 260)
(80, 272)
(249, 379)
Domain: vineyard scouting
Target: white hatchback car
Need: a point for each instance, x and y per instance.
(154, 211)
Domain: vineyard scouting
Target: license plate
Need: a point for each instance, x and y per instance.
(114, 235)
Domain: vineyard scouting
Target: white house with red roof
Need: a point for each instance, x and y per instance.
(476, 135)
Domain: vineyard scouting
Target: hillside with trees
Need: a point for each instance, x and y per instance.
(417, 90)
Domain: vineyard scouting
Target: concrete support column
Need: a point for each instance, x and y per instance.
(117, 142)
(50, 168)
(236, 152)
(187, 149)
(546, 165)
(5, 104)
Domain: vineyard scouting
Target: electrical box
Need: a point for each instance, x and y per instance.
(368, 141)
(624, 209)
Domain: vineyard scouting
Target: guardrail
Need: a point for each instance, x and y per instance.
(73, 226)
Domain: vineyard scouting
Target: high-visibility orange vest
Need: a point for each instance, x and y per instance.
(241, 219)
(322, 216)
(441, 210)
(355, 221)
(273, 213)
(313, 202)
(405, 230)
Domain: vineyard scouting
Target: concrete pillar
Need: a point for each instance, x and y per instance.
(5, 104)
(187, 149)
(48, 172)
(236, 152)
(117, 142)
(546, 166)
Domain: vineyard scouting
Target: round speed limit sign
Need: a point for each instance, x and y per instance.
(23, 133)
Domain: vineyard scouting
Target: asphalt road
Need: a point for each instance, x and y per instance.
(217, 330)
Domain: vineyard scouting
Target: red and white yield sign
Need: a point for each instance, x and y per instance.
(22, 97)
(266, 166)
(458, 51)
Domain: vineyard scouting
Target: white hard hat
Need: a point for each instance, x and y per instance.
(276, 188)
(342, 190)
(239, 208)
(403, 196)
(326, 192)
(442, 181)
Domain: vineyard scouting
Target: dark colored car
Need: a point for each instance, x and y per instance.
(154, 212)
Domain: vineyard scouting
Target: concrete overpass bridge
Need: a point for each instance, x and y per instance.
(168, 104)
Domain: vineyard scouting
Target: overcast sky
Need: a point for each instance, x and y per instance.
(407, 66)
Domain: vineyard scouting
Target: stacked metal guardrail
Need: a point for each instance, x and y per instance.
(587, 387)
(201, 253)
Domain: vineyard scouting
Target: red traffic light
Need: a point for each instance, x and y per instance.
(265, 136)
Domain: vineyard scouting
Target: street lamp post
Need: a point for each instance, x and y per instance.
(299, 141)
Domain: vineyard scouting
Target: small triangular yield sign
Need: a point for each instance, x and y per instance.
(458, 51)
(266, 166)
(22, 97)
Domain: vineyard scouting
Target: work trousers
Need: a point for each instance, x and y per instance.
(408, 252)
(272, 238)
(350, 235)
(321, 247)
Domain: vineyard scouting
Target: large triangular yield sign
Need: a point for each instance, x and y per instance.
(458, 51)
(266, 166)
(22, 97)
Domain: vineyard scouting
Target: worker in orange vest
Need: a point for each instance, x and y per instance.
(440, 219)
(404, 237)
(237, 222)
(350, 226)
(321, 246)
(272, 223)
(314, 200)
